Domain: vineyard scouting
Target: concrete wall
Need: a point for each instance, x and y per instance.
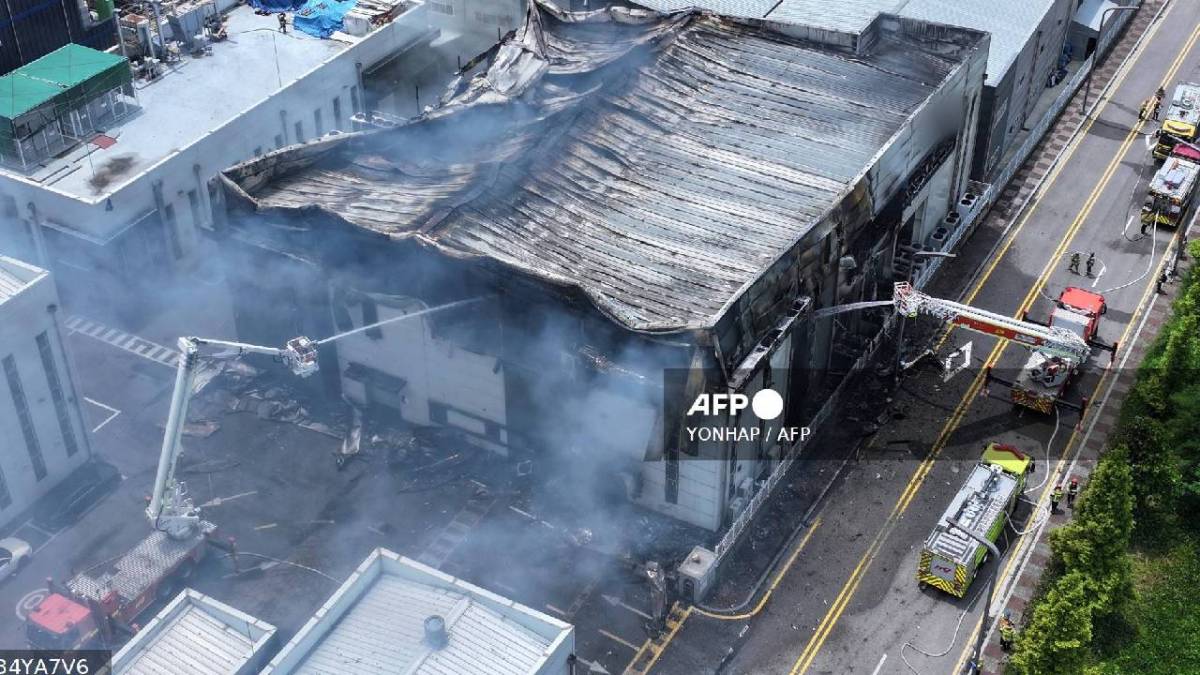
(483, 18)
(99, 225)
(58, 428)
(466, 388)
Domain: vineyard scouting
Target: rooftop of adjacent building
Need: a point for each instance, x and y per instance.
(16, 276)
(194, 634)
(194, 97)
(376, 621)
(1010, 23)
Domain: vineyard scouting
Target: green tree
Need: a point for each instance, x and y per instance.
(1058, 637)
(1096, 542)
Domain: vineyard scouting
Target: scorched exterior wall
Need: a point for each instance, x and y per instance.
(535, 379)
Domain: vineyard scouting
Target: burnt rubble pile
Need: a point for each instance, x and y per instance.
(234, 386)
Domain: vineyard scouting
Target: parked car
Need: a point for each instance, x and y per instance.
(15, 554)
(76, 495)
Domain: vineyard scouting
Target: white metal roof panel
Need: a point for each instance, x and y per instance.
(850, 16)
(194, 643)
(195, 635)
(10, 285)
(1010, 22)
(754, 9)
(382, 632)
(1092, 11)
(15, 276)
(374, 624)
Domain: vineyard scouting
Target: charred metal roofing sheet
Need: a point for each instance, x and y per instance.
(661, 166)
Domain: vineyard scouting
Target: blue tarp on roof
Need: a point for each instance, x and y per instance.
(276, 6)
(320, 18)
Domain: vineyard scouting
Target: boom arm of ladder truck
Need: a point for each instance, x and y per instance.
(300, 353)
(170, 509)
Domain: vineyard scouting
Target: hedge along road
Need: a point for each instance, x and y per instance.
(1097, 233)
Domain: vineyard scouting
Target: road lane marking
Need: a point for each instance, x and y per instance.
(113, 413)
(848, 590)
(618, 640)
(617, 602)
(879, 666)
(30, 601)
(659, 649)
(138, 346)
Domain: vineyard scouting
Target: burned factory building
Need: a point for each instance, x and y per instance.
(611, 197)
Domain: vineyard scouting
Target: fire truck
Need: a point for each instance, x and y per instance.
(99, 605)
(1169, 197)
(950, 558)
(1180, 121)
(1057, 348)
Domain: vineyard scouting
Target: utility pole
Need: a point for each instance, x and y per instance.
(991, 591)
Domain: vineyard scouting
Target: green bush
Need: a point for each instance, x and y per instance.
(1058, 637)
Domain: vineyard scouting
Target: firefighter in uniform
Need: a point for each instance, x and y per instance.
(1008, 634)
(1072, 492)
(1074, 266)
(1055, 498)
(1091, 261)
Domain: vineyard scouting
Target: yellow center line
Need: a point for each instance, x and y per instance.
(835, 611)
(771, 589)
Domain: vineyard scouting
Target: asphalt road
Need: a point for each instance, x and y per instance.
(850, 601)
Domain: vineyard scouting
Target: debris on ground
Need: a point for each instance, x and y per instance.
(201, 429)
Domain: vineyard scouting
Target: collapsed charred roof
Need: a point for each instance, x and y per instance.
(662, 165)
